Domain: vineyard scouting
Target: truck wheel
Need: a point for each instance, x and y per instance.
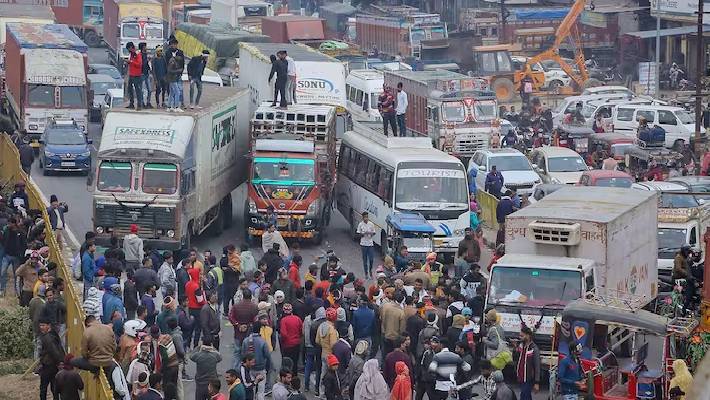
(504, 89)
(227, 214)
(384, 245)
(92, 39)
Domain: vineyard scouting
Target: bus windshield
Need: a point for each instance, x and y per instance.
(282, 171)
(431, 186)
(453, 111)
(534, 286)
(114, 177)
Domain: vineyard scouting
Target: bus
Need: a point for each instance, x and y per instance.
(362, 88)
(384, 175)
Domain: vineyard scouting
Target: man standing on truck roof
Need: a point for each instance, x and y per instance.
(401, 109)
(172, 52)
(385, 104)
(279, 66)
(135, 77)
(145, 70)
(174, 79)
(160, 70)
(291, 79)
(195, 69)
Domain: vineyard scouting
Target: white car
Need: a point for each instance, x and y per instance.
(558, 164)
(554, 77)
(517, 172)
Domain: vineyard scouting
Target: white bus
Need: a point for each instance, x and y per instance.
(383, 175)
(363, 87)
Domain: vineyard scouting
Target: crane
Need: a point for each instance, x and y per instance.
(567, 30)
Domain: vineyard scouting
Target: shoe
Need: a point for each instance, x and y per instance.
(139, 108)
(191, 107)
(198, 107)
(178, 109)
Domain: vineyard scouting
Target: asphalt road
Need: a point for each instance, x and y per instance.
(72, 189)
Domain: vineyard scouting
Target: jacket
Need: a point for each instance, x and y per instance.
(206, 359)
(569, 373)
(254, 343)
(175, 66)
(162, 319)
(343, 352)
(331, 386)
(191, 290)
(470, 283)
(133, 248)
(242, 316)
(52, 352)
(280, 69)
(209, 320)
(167, 277)
(28, 273)
(389, 372)
(470, 249)
(196, 67)
(135, 64)
(293, 275)
(160, 68)
(290, 330)
(130, 295)
(112, 303)
(444, 364)
(98, 344)
(14, 241)
(431, 329)
(363, 322)
(285, 286)
(69, 384)
(88, 267)
(145, 278)
(182, 278)
(27, 157)
(494, 183)
(53, 216)
(145, 65)
(326, 336)
(529, 364)
(504, 208)
(393, 322)
(273, 262)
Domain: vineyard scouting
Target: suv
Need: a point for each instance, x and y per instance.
(64, 147)
(558, 164)
(517, 172)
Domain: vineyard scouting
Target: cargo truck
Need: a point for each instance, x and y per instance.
(45, 72)
(577, 241)
(292, 169)
(457, 112)
(132, 21)
(288, 28)
(171, 174)
(398, 32)
(25, 14)
(682, 224)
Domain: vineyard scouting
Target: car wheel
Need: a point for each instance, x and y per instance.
(92, 39)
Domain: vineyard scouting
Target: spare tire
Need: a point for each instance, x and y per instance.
(504, 89)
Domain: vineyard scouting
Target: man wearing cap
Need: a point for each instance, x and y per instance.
(255, 346)
(331, 380)
(195, 69)
(51, 354)
(19, 197)
(56, 212)
(135, 76)
(133, 249)
(290, 334)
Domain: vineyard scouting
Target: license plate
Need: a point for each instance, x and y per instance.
(68, 163)
(282, 222)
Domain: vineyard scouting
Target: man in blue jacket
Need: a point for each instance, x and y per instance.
(570, 374)
(88, 267)
(255, 345)
(505, 207)
(494, 182)
(113, 302)
(363, 321)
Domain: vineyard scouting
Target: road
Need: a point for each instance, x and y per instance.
(72, 190)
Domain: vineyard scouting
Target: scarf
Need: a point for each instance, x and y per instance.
(402, 388)
(371, 385)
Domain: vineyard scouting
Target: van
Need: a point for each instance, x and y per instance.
(678, 123)
(362, 88)
(569, 103)
(606, 109)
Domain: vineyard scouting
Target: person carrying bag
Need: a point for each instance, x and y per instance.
(497, 350)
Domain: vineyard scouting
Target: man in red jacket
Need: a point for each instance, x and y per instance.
(290, 332)
(195, 301)
(135, 77)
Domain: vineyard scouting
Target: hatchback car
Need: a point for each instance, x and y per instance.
(64, 147)
(517, 172)
(558, 164)
(100, 85)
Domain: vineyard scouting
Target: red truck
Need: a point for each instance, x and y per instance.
(287, 28)
(84, 17)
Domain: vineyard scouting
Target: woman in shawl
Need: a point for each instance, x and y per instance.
(402, 388)
(371, 385)
(681, 377)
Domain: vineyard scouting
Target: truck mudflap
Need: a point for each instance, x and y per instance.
(286, 234)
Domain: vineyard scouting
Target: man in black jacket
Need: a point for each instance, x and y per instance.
(195, 69)
(273, 262)
(279, 66)
(142, 47)
(160, 70)
(27, 157)
(51, 354)
(172, 52)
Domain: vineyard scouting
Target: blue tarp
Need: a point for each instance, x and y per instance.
(50, 36)
(531, 14)
(410, 222)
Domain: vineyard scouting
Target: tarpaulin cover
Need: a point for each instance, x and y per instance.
(530, 14)
(221, 41)
(50, 36)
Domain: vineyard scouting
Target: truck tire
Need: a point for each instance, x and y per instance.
(92, 39)
(227, 212)
(504, 89)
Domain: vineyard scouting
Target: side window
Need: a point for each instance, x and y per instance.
(624, 114)
(347, 91)
(649, 115)
(187, 183)
(667, 118)
(542, 163)
(344, 160)
(692, 240)
(358, 96)
(605, 112)
(384, 188)
(366, 102)
(373, 175)
(352, 165)
(361, 170)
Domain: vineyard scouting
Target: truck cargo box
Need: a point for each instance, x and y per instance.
(285, 28)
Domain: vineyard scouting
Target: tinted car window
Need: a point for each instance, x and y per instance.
(625, 114)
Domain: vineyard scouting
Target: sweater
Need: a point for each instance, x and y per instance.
(133, 247)
(343, 351)
(569, 373)
(290, 330)
(206, 359)
(255, 344)
(135, 64)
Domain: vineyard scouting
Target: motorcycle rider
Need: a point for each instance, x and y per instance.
(681, 271)
(510, 139)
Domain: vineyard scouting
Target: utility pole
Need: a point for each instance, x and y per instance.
(700, 67)
(658, 48)
(501, 33)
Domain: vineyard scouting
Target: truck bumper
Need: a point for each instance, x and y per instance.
(295, 227)
(104, 240)
(286, 234)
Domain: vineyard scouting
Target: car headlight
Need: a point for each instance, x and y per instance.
(171, 233)
(49, 154)
(99, 229)
(313, 209)
(252, 207)
(86, 153)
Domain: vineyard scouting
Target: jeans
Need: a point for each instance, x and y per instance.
(195, 82)
(401, 124)
(526, 391)
(237, 354)
(174, 95)
(197, 327)
(291, 89)
(308, 359)
(318, 356)
(280, 90)
(161, 88)
(391, 119)
(227, 298)
(135, 84)
(147, 84)
(368, 257)
(47, 376)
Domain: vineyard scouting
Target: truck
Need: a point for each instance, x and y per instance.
(172, 175)
(132, 21)
(245, 14)
(25, 14)
(683, 224)
(574, 243)
(288, 28)
(84, 17)
(292, 169)
(45, 73)
(320, 78)
(457, 112)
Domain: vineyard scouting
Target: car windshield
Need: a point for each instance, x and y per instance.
(511, 163)
(588, 111)
(566, 164)
(73, 96)
(671, 240)
(278, 171)
(614, 182)
(159, 178)
(437, 186)
(685, 117)
(453, 111)
(534, 286)
(102, 87)
(677, 200)
(114, 177)
(110, 71)
(40, 96)
(65, 137)
(485, 110)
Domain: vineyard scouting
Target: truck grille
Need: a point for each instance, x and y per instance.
(562, 233)
(519, 186)
(469, 145)
(121, 217)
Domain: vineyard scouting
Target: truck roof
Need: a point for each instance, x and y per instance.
(28, 11)
(425, 76)
(59, 67)
(534, 261)
(586, 203)
(296, 51)
(48, 36)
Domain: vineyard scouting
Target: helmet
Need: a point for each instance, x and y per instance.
(132, 327)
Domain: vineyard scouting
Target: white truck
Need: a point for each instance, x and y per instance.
(575, 241)
(171, 174)
(678, 227)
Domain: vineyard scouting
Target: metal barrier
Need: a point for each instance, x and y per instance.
(95, 388)
(488, 203)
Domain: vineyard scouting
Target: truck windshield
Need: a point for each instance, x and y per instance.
(566, 164)
(431, 186)
(114, 177)
(73, 96)
(131, 30)
(485, 110)
(159, 178)
(677, 200)
(153, 31)
(278, 171)
(453, 111)
(40, 96)
(670, 240)
(534, 286)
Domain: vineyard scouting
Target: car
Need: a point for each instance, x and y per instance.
(100, 84)
(106, 69)
(558, 164)
(64, 147)
(543, 189)
(608, 90)
(554, 77)
(113, 99)
(606, 178)
(209, 77)
(517, 172)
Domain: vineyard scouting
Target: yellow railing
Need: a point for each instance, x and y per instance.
(11, 172)
(488, 203)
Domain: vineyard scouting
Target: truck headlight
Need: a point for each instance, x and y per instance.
(458, 232)
(99, 229)
(313, 209)
(171, 233)
(252, 207)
